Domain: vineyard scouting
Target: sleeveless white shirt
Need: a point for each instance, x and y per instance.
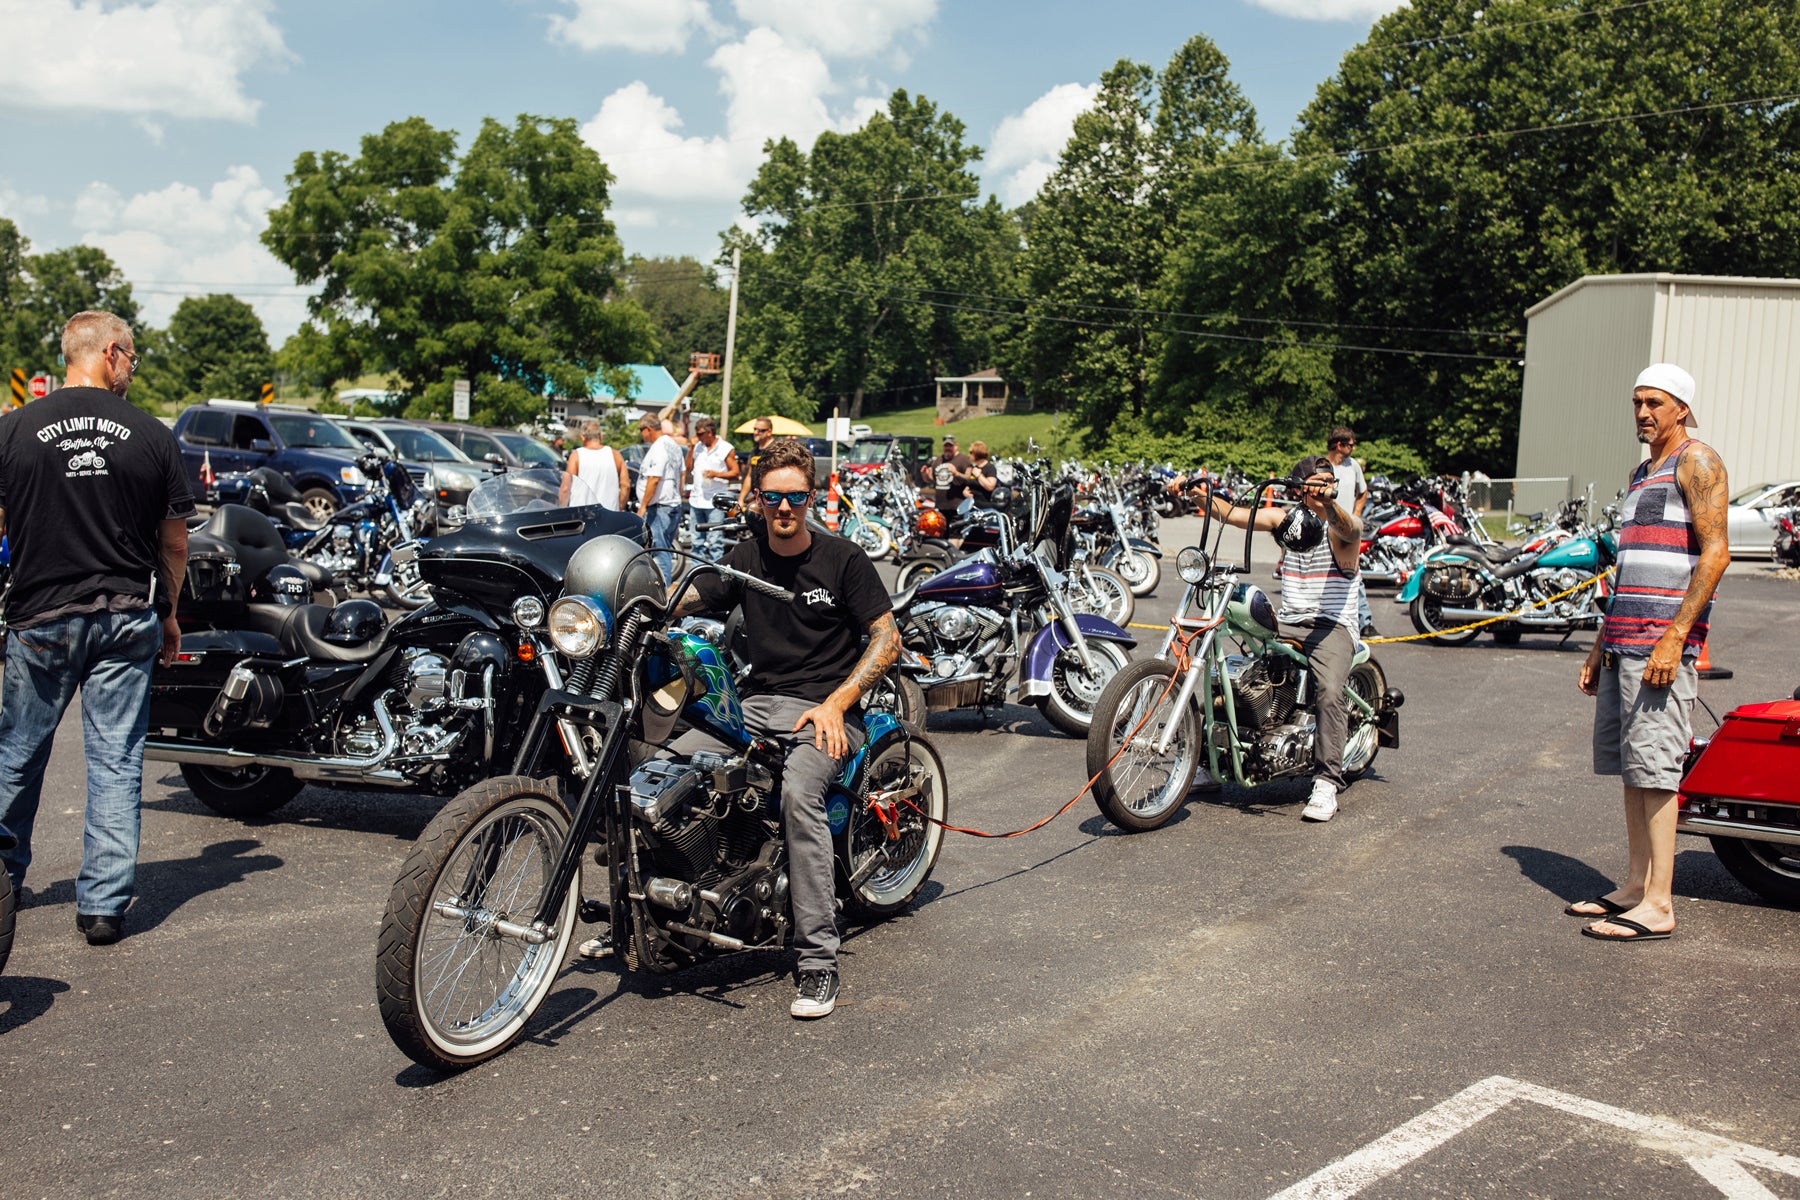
(596, 478)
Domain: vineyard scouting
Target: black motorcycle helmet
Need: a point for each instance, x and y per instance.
(285, 584)
(1300, 530)
(354, 623)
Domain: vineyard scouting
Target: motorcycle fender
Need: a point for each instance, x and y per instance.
(1387, 729)
(1145, 546)
(1048, 642)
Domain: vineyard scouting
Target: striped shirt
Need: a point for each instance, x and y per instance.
(1658, 549)
(1314, 588)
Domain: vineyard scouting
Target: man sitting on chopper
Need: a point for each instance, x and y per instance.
(808, 666)
(1318, 606)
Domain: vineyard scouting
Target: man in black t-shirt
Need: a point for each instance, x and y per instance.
(948, 475)
(808, 666)
(94, 500)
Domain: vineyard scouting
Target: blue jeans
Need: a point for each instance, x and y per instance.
(109, 655)
(709, 538)
(663, 521)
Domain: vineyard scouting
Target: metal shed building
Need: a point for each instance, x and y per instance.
(1584, 345)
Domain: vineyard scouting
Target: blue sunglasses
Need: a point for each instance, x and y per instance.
(795, 499)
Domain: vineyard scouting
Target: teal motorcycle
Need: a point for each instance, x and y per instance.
(690, 862)
(1462, 582)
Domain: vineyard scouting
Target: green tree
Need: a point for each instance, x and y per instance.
(219, 348)
(1486, 156)
(1099, 232)
(852, 285)
(686, 306)
(498, 267)
(754, 393)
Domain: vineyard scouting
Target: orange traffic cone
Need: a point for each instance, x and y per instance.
(831, 505)
(1705, 669)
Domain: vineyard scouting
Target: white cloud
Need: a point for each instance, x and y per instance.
(772, 89)
(183, 241)
(179, 58)
(1331, 10)
(645, 26)
(16, 205)
(840, 28)
(1026, 146)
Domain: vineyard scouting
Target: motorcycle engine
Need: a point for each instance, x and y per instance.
(955, 638)
(1286, 749)
(1267, 690)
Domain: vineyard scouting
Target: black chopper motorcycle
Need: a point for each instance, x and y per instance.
(692, 863)
(269, 692)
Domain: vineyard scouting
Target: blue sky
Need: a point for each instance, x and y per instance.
(161, 130)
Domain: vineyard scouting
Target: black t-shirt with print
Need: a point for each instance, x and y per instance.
(807, 647)
(85, 479)
(984, 497)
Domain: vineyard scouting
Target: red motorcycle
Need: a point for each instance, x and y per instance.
(1741, 790)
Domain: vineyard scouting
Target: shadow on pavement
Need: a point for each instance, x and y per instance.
(25, 998)
(1569, 879)
(399, 815)
(165, 886)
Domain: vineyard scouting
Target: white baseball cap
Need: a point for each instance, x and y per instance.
(1667, 377)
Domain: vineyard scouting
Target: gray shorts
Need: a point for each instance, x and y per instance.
(1642, 732)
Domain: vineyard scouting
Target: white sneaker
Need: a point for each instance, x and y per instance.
(600, 947)
(1203, 781)
(1323, 804)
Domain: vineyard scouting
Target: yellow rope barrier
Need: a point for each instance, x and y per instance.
(1506, 616)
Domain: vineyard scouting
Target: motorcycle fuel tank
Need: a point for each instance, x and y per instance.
(966, 583)
(1579, 554)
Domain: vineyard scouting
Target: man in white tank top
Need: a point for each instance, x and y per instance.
(1318, 609)
(712, 470)
(596, 472)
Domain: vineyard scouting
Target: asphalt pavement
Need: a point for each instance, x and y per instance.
(1390, 1004)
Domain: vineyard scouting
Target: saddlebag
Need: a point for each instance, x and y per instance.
(182, 696)
(1459, 584)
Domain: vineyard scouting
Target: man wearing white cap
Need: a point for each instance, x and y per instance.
(1672, 550)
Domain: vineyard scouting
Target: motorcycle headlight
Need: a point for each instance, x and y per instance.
(579, 626)
(353, 476)
(527, 611)
(1192, 565)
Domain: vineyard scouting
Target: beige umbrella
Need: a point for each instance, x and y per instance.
(783, 426)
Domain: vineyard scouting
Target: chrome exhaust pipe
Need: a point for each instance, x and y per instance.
(1484, 614)
(350, 768)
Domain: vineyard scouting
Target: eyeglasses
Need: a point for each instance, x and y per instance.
(129, 356)
(760, 430)
(794, 499)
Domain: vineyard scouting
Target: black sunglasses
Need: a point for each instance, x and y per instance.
(794, 499)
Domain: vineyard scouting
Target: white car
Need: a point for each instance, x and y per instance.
(1750, 521)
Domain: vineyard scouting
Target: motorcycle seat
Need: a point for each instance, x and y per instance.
(302, 631)
(300, 517)
(1494, 554)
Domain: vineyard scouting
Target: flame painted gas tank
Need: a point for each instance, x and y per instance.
(965, 583)
(716, 707)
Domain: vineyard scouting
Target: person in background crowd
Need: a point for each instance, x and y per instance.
(983, 475)
(712, 467)
(1353, 493)
(762, 436)
(942, 475)
(596, 472)
(95, 501)
(1672, 551)
(659, 490)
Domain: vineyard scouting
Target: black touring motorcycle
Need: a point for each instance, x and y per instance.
(691, 859)
(270, 692)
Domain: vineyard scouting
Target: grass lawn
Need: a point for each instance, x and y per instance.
(1000, 433)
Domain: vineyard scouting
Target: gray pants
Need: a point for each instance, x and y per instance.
(1329, 649)
(808, 772)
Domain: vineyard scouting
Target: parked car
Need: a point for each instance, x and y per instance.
(1750, 519)
(310, 451)
(436, 464)
(515, 451)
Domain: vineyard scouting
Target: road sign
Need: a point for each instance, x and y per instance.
(267, 395)
(18, 385)
(40, 386)
(838, 429)
(460, 402)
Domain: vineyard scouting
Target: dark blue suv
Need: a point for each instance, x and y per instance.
(314, 453)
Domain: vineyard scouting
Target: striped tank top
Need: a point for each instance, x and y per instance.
(1314, 587)
(1657, 553)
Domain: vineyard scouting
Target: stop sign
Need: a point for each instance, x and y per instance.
(40, 386)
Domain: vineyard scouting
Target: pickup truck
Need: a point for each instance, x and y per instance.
(312, 452)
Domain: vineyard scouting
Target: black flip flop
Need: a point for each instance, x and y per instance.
(1611, 907)
(1643, 934)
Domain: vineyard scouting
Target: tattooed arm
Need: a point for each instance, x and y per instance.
(1701, 477)
(1346, 535)
(827, 718)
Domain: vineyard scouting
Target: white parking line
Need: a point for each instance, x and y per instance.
(1720, 1161)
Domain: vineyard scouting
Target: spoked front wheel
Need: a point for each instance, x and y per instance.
(907, 777)
(460, 967)
(1140, 782)
(1102, 592)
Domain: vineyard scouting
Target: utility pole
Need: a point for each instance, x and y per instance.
(730, 344)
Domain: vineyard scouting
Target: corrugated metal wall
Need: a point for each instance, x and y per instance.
(1740, 339)
(1581, 354)
(1742, 344)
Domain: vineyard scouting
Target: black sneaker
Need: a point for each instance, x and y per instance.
(816, 996)
(101, 929)
(1369, 630)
